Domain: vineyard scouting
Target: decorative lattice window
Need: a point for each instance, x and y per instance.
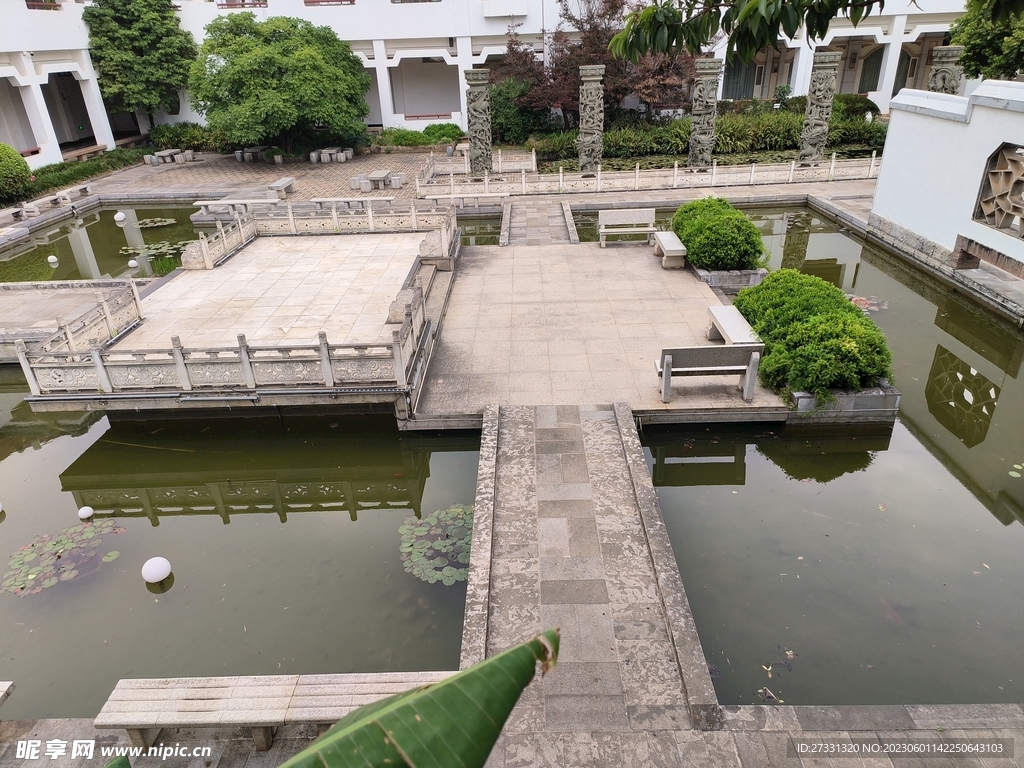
(1001, 200)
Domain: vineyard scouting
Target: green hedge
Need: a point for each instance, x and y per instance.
(734, 133)
(845, 106)
(14, 173)
(717, 236)
(440, 133)
(815, 339)
(61, 175)
(186, 135)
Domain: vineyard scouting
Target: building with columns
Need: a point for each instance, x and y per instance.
(417, 52)
(880, 57)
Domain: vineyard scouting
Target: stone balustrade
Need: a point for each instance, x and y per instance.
(112, 316)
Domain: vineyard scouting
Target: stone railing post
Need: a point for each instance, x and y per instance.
(291, 219)
(824, 73)
(246, 362)
(101, 371)
(325, 359)
(136, 298)
(946, 73)
(396, 355)
(26, 367)
(705, 106)
(478, 107)
(179, 364)
(591, 134)
(205, 246)
(68, 336)
(369, 215)
(105, 308)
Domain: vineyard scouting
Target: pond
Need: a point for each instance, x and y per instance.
(94, 246)
(890, 566)
(480, 230)
(286, 539)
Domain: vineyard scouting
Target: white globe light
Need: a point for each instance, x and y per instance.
(132, 263)
(85, 513)
(1, 507)
(51, 260)
(119, 216)
(156, 569)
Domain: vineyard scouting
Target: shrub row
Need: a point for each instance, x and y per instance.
(717, 236)
(774, 131)
(439, 133)
(815, 339)
(186, 135)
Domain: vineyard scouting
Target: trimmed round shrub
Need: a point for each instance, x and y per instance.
(815, 339)
(717, 236)
(14, 173)
(439, 133)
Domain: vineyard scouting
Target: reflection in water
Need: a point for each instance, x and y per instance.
(960, 398)
(480, 230)
(979, 331)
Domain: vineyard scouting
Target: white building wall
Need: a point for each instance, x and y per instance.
(936, 153)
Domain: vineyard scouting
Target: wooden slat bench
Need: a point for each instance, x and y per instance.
(6, 689)
(726, 323)
(710, 360)
(625, 221)
(281, 188)
(84, 153)
(263, 702)
(671, 248)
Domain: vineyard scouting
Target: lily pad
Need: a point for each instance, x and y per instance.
(111, 556)
(1013, 473)
(436, 548)
(49, 583)
(52, 558)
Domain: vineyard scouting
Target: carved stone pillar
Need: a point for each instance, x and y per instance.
(819, 107)
(946, 73)
(591, 117)
(478, 104)
(702, 120)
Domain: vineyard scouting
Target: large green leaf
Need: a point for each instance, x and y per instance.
(452, 724)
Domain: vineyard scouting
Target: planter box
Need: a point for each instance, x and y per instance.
(731, 280)
(877, 404)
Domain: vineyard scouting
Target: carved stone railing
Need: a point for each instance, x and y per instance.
(338, 219)
(111, 316)
(503, 161)
(243, 368)
(208, 252)
(677, 177)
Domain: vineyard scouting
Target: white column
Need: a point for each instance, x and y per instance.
(803, 61)
(720, 54)
(890, 63)
(387, 104)
(97, 112)
(85, 259)
(464, 56)
(42, 126)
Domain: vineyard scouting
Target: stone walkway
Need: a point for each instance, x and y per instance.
(537, 221)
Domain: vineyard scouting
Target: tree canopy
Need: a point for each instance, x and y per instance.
(991, 49)
(264, 81)
(141, 53)
(668, 26)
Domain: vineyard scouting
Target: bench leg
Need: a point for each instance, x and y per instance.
(263, 738)
(602, 240)
(749, 379)
(142, 737)
(713, 333)
(666, 379)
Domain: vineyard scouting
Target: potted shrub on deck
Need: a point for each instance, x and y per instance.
(723, 246)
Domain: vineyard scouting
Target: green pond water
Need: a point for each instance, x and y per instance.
(890, 565)
(91, 247)
(284, 537)
(480, 230)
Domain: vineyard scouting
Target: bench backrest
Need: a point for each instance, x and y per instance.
(625, 216)
(711, 356)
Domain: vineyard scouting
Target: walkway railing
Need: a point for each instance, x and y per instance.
(111, 316)
(649, 179)
(503, 161)
(245, 368)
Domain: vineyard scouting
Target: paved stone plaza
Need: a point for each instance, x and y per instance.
(555, 343)
(283, 290)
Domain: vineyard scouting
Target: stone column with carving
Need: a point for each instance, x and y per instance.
(478, 105)
(946, 72)
(591, 136)
(819, 107)
(705, 105)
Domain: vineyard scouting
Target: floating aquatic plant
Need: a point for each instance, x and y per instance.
(155, 222)
(52, 558)
(436, 548)
(869, 303)
(163, 248)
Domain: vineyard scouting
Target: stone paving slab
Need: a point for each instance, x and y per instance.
(284, 290)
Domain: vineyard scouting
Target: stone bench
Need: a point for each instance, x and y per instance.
(166, 155)
(241, 206)
(263, 702)
(281, 188)
(726, 323)
(671, 250)
(83, 153)
(725, 360)
(6, 689)
(64, 196)
(625, 221)
(24, 210)
(499, 198)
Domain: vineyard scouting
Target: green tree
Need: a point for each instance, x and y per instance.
(141, 53)
(259, 82)
(991, 49)
(666, 26)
